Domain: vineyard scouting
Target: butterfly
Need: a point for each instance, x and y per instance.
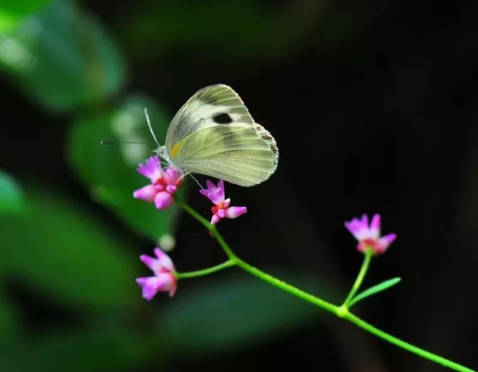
(213, 134)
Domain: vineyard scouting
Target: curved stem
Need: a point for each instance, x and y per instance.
(360, 278)
(210, 270)
(345, 314)
(195, 214)
(223, 244)
(288, 288)
(212, 228)
(340, 311)
(405, 345)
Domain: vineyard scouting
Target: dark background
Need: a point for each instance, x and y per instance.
(374, 109)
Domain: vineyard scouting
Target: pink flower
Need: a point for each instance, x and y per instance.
(222, 208)
(369, 236)
(164, 183)
(163, 279)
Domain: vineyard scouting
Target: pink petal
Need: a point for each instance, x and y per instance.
(210, 185)
(164, 260)
(171, 285)
(354, 226)
(384, 242)
(215, 219)
(173, 176)
(359, 228)
(361, 247)
(221, 213)
(163, 200)
(213, 193)
(375, 227)
(365, 220)
(222, 191)
(171, 189)
(165, 282)
(149, 287)
(152, 263)
(147, 193)
(151, 169)
(234, 212)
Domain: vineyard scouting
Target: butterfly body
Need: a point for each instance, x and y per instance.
(213, 134)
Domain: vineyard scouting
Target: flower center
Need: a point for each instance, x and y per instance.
(369, 243)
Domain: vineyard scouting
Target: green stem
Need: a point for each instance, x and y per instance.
(195, 214)
(340, 311)
(405, 345)
(210, 270)
(344, 313)
(224, 245)
(210, 227)
(360, 278)
(288, 288)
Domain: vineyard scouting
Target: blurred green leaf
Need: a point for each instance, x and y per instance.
(158, 23)
(11, 198)
(375, 289)
(13, 12)
(62, 58)
(58, 248)
(97, 349)
(244, 31)
(232, 312)
(110, 172)
(8, 322)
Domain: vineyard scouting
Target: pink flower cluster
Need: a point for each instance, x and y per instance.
(368, 236)
(222, 208)
(164, 183)
(163, 279)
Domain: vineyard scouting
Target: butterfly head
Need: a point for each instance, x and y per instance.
(161, 152)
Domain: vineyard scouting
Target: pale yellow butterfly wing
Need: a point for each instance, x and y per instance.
(204, 109)
(213, 134)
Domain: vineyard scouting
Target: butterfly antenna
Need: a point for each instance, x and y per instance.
(150, 127)
(122, 143)
(194, 178)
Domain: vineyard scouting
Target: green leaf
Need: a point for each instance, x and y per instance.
(62, 58)
(92, 349)
(156, 23)
(374, 290)
(110, 172)
(232, 312)
(251, 35)
(13, 12)
(8, 321)
(11, 198)
(59, 249)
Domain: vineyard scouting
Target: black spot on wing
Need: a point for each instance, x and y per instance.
(222, 118)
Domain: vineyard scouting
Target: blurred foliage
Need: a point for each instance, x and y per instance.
(8, 321)
(60, 252)
(11, 198)
(237, 29)
(62, 58)
(234, 312)
(13, 12)
(57, 247)
(92, 349)
(113, 179)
